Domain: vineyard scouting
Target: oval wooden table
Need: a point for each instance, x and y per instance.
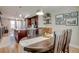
(44, 44)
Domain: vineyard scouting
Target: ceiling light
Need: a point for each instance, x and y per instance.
(20, 15)
(26, 16)
(40, 12)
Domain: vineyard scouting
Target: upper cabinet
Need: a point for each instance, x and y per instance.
(32, 22)
(39, 21)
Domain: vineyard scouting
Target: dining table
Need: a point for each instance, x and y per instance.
(37, 44)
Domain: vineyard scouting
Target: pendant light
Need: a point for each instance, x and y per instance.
(40, 12)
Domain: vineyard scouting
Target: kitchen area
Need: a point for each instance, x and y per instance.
(27, 31)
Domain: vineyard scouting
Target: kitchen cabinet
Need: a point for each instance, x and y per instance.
(19, 34)
(32, 26)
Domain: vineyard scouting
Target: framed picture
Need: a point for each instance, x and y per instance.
(67, 15)
(74, 14)
(59, 19)
(68, 19)
(72, 22)
(71, 19)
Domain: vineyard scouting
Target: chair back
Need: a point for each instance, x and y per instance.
(62, 40)
(59, 41)
(67, 40)
(69, 36)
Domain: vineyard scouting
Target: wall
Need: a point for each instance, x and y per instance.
(75, 29)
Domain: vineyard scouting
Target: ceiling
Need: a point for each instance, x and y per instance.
(30, 10)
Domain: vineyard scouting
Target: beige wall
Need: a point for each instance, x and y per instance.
(75, 29)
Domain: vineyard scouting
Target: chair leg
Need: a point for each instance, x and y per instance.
(68, 49)
(63, 50)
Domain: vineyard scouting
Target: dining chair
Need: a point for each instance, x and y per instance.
(54, 43)
(62, 41)
(67, 40)
(52, 47)
(59, 41)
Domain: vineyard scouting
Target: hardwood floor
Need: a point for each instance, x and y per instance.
(74, 50)
(18, 49)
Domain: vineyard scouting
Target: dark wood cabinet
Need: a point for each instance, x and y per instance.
(29, 22)
(33, 21)
(20, 34)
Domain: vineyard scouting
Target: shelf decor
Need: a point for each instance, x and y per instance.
(47, 18)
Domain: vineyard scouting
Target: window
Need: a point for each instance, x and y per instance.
(17, 24)
(12, 22)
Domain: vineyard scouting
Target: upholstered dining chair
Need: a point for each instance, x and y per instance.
(62, 41)
(68, 34)
(52, 47)
(59, 41)
(55, 48)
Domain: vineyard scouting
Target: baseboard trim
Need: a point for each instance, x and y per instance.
(74, 46)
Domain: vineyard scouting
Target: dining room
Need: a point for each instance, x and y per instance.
(39, 29)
